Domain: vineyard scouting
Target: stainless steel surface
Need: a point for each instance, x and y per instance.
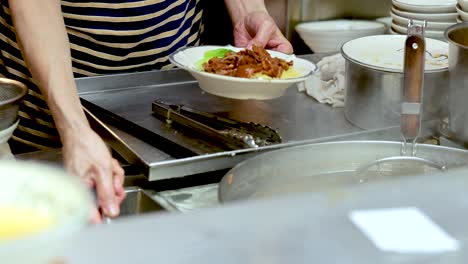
(457, 37)
(326, 166)
(11, 94)
(373, 97)
(51, 157)
(113, 139)
(302, 229)
(192, 198)
(139, 202)
(231, 133)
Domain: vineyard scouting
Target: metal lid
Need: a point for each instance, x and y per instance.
(385, 53)
(11, 91)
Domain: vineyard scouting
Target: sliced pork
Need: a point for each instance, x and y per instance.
(247, 64)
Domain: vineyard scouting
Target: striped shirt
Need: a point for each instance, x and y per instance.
(106, 36)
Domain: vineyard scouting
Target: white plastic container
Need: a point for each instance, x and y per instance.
(48, 190)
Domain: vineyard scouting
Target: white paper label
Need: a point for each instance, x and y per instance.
(403, 230)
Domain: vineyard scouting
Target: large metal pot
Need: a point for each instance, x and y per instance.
(373, 93)
(457, 36)
(325, 166)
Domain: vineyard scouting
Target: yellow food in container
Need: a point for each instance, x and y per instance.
(17, 222)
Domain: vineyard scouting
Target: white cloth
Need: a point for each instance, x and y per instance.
(328, 83)
(5, 135)
(5, 152)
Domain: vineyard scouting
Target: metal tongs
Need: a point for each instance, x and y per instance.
(233, 134)
(411, 105)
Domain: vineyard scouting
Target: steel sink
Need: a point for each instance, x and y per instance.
(138, 202)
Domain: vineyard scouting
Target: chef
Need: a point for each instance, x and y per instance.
(45, 44)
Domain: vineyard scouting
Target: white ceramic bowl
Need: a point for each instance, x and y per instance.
(442, 17)
(431, 25)
(426, 6)
(330, 35)
(463, 4)
(463, 14)
(459, 20)
(436, 34)
(385, 52)
(235, 87)
(48, 190)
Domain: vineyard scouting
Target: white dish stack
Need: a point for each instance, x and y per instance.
(439, 14)
(462, 9)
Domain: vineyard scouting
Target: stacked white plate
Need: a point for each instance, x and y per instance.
(462, 9)
(439, 14)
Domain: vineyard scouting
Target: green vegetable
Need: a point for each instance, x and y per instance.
(219, 53)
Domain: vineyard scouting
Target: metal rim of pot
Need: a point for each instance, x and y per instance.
(18, 97)
(453, 28)
(456, 128)
(249, 176)
(382, 69)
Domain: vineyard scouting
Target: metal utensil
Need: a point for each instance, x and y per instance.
(411, 105)
(233, 134)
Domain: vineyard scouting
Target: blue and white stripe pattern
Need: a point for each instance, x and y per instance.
(106, 36)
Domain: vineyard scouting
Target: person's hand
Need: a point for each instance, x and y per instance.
(86, 156)
(259, 28)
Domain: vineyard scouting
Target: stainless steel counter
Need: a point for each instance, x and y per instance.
(123, 102)
(287, 230)
(126, 99)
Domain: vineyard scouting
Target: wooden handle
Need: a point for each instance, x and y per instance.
(415, 50)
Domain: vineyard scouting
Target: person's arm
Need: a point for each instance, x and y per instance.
(44, 42)
(254, 26)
